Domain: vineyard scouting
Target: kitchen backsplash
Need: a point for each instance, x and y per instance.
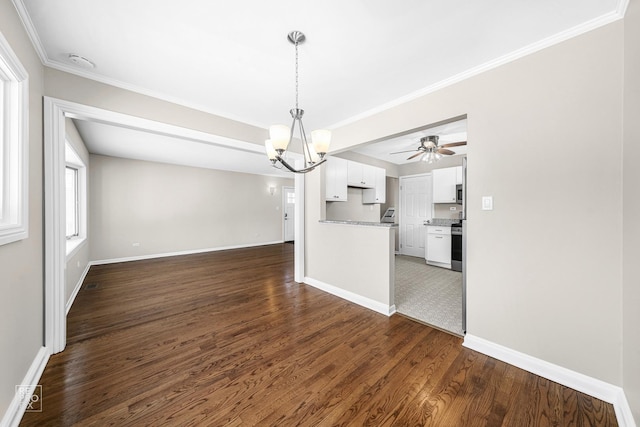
(353, 209)
(442, 210)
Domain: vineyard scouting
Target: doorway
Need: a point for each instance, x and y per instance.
(288, 213)
(427, 293)
(56, 111)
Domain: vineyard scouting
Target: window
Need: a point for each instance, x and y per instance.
(75, 194)
(72, 205)
(14, 113)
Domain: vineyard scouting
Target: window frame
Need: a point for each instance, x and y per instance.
(14, 154)
(76, 202)
(74, 161)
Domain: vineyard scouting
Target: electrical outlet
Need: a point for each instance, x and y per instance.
(136, 244)
(452, 208)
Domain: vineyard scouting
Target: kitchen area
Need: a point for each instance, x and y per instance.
(431, 288)
(423, 204)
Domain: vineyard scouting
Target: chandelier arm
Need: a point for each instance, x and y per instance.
(308, 159)
(294, 170)
(293, 126)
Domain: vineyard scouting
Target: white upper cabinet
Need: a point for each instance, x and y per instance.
(360, 175)
(444, 185)
(378, 193)
(336, 180)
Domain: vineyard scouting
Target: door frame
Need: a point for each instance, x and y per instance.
(284, 205)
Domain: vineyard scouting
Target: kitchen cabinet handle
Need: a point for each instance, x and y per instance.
(438, 237)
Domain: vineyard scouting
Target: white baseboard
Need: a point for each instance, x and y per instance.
(16, 408)
(352, 297)
(575, 380)
(187, 252)
(74, 294)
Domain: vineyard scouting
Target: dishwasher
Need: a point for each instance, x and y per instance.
(438, 246)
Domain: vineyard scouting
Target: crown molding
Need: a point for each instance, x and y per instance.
(608, 18)
(31, 30)
(48, 62)
(505, 59)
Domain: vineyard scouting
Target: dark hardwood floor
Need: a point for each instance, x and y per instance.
(228, 339)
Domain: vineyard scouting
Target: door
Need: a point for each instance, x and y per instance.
(289, 203)
(415, 209)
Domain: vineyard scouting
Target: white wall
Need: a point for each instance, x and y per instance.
(167, 208)
(547, 286)
(21, 262)
(78, 263)
(631, 212)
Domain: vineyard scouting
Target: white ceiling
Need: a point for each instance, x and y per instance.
(232, 58)
(121, 141)
(450, 132)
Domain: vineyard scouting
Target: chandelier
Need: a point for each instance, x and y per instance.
(281, 135)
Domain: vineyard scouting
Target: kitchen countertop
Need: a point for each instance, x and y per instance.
(365, 223)
(441, 222)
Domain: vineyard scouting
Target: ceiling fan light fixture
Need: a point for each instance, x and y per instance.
(430, 157)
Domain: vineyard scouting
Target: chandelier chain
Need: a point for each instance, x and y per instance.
(296, 75)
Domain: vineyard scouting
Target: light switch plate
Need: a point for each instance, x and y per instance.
(487, 203)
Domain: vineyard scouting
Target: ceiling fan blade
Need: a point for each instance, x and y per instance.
(453, 144)
(400, 152)
(415, 155)
(445, 151)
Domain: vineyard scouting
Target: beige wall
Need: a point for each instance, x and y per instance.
(631, 212)
(168, 208)
(21, 262)
(543, 285)
(78, 262)
(88, 92)
(354, 258)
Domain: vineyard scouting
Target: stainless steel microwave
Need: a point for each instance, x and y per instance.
(458, 194)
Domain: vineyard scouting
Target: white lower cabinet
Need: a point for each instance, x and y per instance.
(438, 246)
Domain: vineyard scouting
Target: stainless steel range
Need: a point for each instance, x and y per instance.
(456, 246)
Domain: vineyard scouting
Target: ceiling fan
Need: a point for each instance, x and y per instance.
(430, 150)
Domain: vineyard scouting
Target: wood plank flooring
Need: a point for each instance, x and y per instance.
(229, 339)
